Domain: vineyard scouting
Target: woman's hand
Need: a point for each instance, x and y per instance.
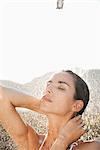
(71, 131)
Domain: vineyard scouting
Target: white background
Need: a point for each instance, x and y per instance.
(36, 38)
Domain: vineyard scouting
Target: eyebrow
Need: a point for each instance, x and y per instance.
(63, 82)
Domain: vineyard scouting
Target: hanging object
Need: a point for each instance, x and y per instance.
(60, 4)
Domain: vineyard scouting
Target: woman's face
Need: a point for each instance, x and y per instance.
(59, 93)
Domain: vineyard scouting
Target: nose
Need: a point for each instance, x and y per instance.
(49, 89)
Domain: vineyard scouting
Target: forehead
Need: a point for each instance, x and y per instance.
(63, 76)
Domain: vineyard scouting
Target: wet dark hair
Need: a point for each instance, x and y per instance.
(81, 90)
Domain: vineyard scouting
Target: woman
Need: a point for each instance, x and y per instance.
(66, 96)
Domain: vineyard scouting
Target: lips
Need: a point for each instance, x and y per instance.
(46, 98)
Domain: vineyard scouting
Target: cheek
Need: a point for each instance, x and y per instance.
(63, 102)
(61, 108)
(62, 98)
(60, 101)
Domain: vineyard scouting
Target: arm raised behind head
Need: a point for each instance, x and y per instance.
(19, 99)
(9, 117)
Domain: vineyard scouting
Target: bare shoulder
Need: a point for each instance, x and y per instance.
(94, 145)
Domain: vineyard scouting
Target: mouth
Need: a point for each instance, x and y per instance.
(46, 99)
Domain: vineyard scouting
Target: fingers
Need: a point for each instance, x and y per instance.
(80, 124)
(78, 120)
(77, 123)
(83, 128)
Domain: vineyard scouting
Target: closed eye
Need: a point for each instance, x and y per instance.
(60, 88)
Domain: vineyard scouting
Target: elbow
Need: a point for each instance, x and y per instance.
(1, 94)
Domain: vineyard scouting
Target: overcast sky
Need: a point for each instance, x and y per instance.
(36, 38)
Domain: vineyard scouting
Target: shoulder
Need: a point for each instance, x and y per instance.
(93, 145)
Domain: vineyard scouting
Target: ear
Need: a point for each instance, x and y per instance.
(77, 106)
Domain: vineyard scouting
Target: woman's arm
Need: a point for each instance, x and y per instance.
(9, 117)
(59, 144)
(19, 99)
(70, 132)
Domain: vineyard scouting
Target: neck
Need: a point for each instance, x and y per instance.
(56, 122)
